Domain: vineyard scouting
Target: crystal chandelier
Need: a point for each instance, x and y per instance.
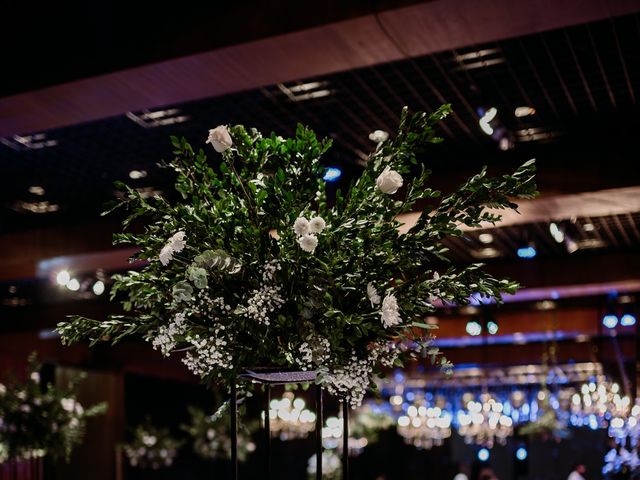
(627, 430)
(424, 425)
(289, 419)
(483, 422)
(598, 403)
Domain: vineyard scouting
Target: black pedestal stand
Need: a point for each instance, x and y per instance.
(269, 378)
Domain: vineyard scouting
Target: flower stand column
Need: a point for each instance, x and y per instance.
(269, 378)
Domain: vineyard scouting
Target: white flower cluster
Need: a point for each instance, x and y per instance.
(166, 338)
(208, 353)
(306, 231)
(349, 382)
(210, 306)
(266, 299)
(373, 295)
(175, 245)
(315, 351)
(390, 312)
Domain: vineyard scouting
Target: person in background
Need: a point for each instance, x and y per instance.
(463, 472)
(578, 471)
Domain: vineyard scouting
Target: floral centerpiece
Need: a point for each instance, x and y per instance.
(37, 421)
(210, 435)
(257, 266)
(151, 447)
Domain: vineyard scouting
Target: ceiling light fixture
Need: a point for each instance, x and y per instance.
(98, 287)
(486, 119)
(588, 227)
(73, 285)
(63, 277)
(485, 238)
(37, 190)
(556, 232)
(473, 328)
(137, 174)
(610, 320)
(158, 118)
(527, 252)
(332, 174)
(524, 111)
(37, 141)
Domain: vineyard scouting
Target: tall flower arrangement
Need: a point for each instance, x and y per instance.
(37, 422)
(255, 266)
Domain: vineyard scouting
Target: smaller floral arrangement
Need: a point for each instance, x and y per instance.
(210, 435)
(331, 466)
(41, 420)
(151, 447)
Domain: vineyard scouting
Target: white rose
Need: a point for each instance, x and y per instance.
(220, 139)
(389, 181)
(35, 377)
(301, 226)
(378, 136)
(68, 404)
(3, 389)
(317, 224)
(308, 243)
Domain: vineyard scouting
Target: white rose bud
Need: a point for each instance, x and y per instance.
(301, 226)
(378, 136)
(317, 224)
(308, 243)
(389, 181)
(220, 139)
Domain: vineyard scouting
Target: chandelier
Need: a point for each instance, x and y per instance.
(483, 422)
(289, 419)
(598, 403)
(627, 429)
(425, 426)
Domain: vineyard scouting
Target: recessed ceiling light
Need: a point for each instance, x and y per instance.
(137, 174)
(545, 305)
(63, 277)
(485, 238)
(36, 190)
(35, 207)
(524, 111)
(73, 285)
(588, 227)
(488, 252)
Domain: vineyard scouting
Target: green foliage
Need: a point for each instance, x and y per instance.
(243, 292)
(41, 420)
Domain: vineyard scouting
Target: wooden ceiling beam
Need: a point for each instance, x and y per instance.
(414, 30)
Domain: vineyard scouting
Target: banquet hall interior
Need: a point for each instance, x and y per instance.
(544, 385)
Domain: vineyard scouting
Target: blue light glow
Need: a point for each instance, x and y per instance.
(628, 320)
(332, 174)
(527, 252)
(492, 327)
(610, 320)
(474, 328)
(521, 454)
(483, 454)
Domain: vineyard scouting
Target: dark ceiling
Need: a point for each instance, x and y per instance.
(583, 82)
(52, 43)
